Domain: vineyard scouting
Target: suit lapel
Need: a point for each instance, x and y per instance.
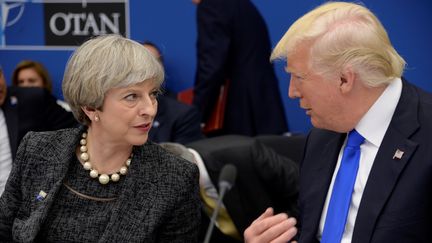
(387, 168)
(11, 116)
(158, 121)
(315, 184)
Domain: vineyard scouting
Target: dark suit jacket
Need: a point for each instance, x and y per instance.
(288, 146)
(160, 203)
(233, 43)
(175, 122)
(397, 201)
(264, 178)
(32, 109)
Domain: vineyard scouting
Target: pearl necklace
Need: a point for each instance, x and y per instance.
(103, 178)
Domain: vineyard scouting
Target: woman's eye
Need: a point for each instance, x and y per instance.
(155, 93)
(131, 97)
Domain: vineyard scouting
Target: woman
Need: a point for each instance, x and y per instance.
(33, 74)
(104, 182)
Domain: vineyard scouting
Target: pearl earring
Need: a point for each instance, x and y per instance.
(96, 118)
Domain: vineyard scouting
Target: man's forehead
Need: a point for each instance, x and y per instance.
(293, 67)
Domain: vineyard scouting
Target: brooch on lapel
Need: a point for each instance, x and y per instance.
(398, 154)
(41, 196)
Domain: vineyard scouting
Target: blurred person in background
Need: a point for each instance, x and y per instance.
(23, 110)
(233, 50)
(175, 121)
(33, 74)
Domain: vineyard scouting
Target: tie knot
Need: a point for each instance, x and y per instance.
(354, 139)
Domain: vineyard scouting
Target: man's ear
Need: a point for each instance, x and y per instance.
(347, 80)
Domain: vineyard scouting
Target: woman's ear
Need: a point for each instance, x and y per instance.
(347, 80)
(91, 113)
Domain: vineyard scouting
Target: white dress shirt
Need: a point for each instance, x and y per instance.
(372, 126)
(5, 153)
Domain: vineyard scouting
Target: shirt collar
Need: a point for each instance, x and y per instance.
(373, 125)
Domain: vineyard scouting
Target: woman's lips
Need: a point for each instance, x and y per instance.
(145, 127)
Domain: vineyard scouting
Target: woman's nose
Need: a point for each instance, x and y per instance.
(147, 107)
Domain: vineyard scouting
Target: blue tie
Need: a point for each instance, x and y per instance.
(342, 190)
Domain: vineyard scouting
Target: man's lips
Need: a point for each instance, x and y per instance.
(307, 110)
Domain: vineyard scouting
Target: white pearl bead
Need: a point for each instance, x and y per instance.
(115, 177)
(84, 156)
(123, 170)
(104, 179)
(83, 148)
(84, 135)
(87, 166)
(128, 161)
(94, 173)
(83, 141)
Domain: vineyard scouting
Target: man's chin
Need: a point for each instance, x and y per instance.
(319, 125)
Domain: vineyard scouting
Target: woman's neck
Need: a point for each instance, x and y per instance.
(106, 156)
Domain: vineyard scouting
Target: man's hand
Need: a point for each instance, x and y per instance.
(271, 228)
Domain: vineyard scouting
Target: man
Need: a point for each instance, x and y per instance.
(23, 110)
(264, 179)
(348, 78)
(233, 44)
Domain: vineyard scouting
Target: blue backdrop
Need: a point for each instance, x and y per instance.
(171, 25)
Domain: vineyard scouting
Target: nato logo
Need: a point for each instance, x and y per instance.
(59, 24)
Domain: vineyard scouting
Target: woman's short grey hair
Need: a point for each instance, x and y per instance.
(343, 35)
(103, 63)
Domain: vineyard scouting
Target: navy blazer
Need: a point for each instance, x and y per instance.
(160, 203)
(175, 122)
(32, 109)
(397, 201)
(234, 44)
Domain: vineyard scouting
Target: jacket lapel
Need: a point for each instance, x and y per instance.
(57, 160)
(315, 184)
(387, 167)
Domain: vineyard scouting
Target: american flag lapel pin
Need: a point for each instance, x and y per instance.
(398, 154)
(41, 196)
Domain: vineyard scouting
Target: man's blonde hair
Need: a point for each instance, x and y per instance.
(344, 34)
